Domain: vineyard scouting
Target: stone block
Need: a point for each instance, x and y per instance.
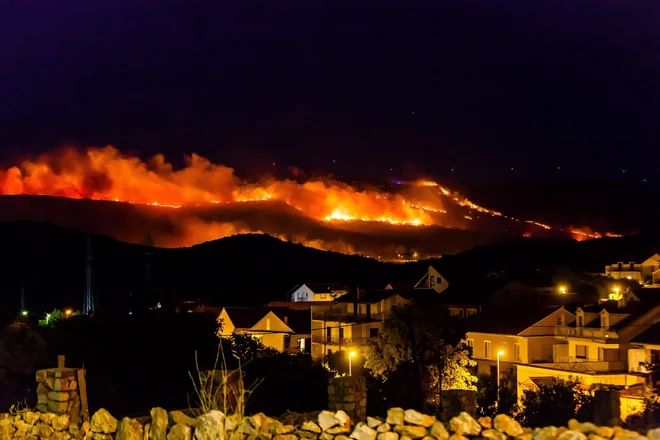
(103, 422)
(57, 407)
(178, 417)
(60, 423)
(179, 432)
(47, 418)
(58, 396)
(42, 407)
(42, 398)
(412, 432)
(159, 424)
(41, 375)
(395, 416)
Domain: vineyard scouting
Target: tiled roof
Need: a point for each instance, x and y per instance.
(507, 321)
(246, 317)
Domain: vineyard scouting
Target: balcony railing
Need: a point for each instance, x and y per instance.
(587, 332)
(347, 317)
(567, 363)
(346, 342)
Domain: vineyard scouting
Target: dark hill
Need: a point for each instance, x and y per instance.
(249, 269)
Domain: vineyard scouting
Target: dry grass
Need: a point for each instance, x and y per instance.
(221, 389)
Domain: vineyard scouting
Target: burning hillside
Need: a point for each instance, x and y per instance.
(205, 201)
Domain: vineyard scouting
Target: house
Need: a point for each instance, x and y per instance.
(352, 319)
(647, 272)
(260, 323)
(317, 292)
(612, 343)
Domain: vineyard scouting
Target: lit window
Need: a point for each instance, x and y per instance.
(581, 351)
(516, 352)
(432, 282)
(470, 343)
(487, 350)
(267, 323)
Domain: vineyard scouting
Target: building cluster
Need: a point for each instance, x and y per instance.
(528, 328)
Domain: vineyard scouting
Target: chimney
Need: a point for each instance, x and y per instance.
(286, 320)
(624, 300)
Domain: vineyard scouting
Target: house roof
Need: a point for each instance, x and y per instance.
(371, 296)
(246, 317)
(650, 336)
(509, 320)
(326, 287)
(300, 321)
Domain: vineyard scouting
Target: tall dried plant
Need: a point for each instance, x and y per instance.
(220, 388)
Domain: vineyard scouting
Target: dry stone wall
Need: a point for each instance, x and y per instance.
(57, 392)
(348, 394)
(329, 425)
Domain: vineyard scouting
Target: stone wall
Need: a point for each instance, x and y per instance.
(57, 392)
(349, 394)
(328, 425)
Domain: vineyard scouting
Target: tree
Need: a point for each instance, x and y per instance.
(420, 336)
(565, 399)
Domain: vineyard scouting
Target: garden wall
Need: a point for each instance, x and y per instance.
(398, 425)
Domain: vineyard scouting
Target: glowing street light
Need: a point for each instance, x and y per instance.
(351, 355)
(68, 312)
(47, 317)
(24, 313)
(562, 290)
(499, 353)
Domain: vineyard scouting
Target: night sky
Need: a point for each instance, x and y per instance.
(416, 86)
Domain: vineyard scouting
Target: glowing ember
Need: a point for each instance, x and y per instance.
(540, 225)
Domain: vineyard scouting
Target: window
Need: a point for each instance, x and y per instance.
(580, 318)
(560, 320)
(516, 352)
(328, 334)
(604, 321)
(581, 351)
(470, 343)
(267, 323)
(632, 266)
(620, 266)
(461, 313)
(373, 332)
(487, 349)
(432, 282)
(341, 333)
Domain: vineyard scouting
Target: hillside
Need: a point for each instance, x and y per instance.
(248, 269)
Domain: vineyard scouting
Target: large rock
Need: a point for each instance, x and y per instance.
(417, 418)
(60, 423)
(342, 418)
(178, 417)
(285, 437)
(179, 432)
(61, 435)
(373, 422)
(103, 422)
(129, 429)
(258, 420)
(42, 430)
(571, 435)
(327, 420)
(47, 418)
(410, 431)
(464, 424)
(438, 431)
(604, 431)
(395, 416)
(507, 425)
(310, 426)
(6, 429)
(385, 427)
(159, 423)
(210, 426)
(22, 428)
(326, 436)
(31, 417)
(486, 422)
(363, 432)
(493, 434)
(245, 427)
(653, 434)
(388, 436)
(547, 433)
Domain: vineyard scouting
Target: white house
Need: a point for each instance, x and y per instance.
(317, 292)
(259, 322)
(647, 272)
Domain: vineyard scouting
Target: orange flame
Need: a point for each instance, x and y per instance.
(106, 174)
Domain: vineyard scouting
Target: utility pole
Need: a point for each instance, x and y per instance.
(88, 302)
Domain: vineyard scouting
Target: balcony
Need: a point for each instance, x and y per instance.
(567, 363)
(344, 342)
(347, 317)
(601, 334)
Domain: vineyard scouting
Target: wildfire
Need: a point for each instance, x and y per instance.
(540, 225)
(106, 174)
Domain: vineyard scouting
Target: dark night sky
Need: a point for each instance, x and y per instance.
(532, 85)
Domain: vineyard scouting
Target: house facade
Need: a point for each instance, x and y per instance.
(349, 321)
(595, 344)
(647, 272)
(285, 330)
(317, 292)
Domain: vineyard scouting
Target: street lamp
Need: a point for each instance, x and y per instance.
(499, 353)
(562, 290)
(68, 312)
(351, 355)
